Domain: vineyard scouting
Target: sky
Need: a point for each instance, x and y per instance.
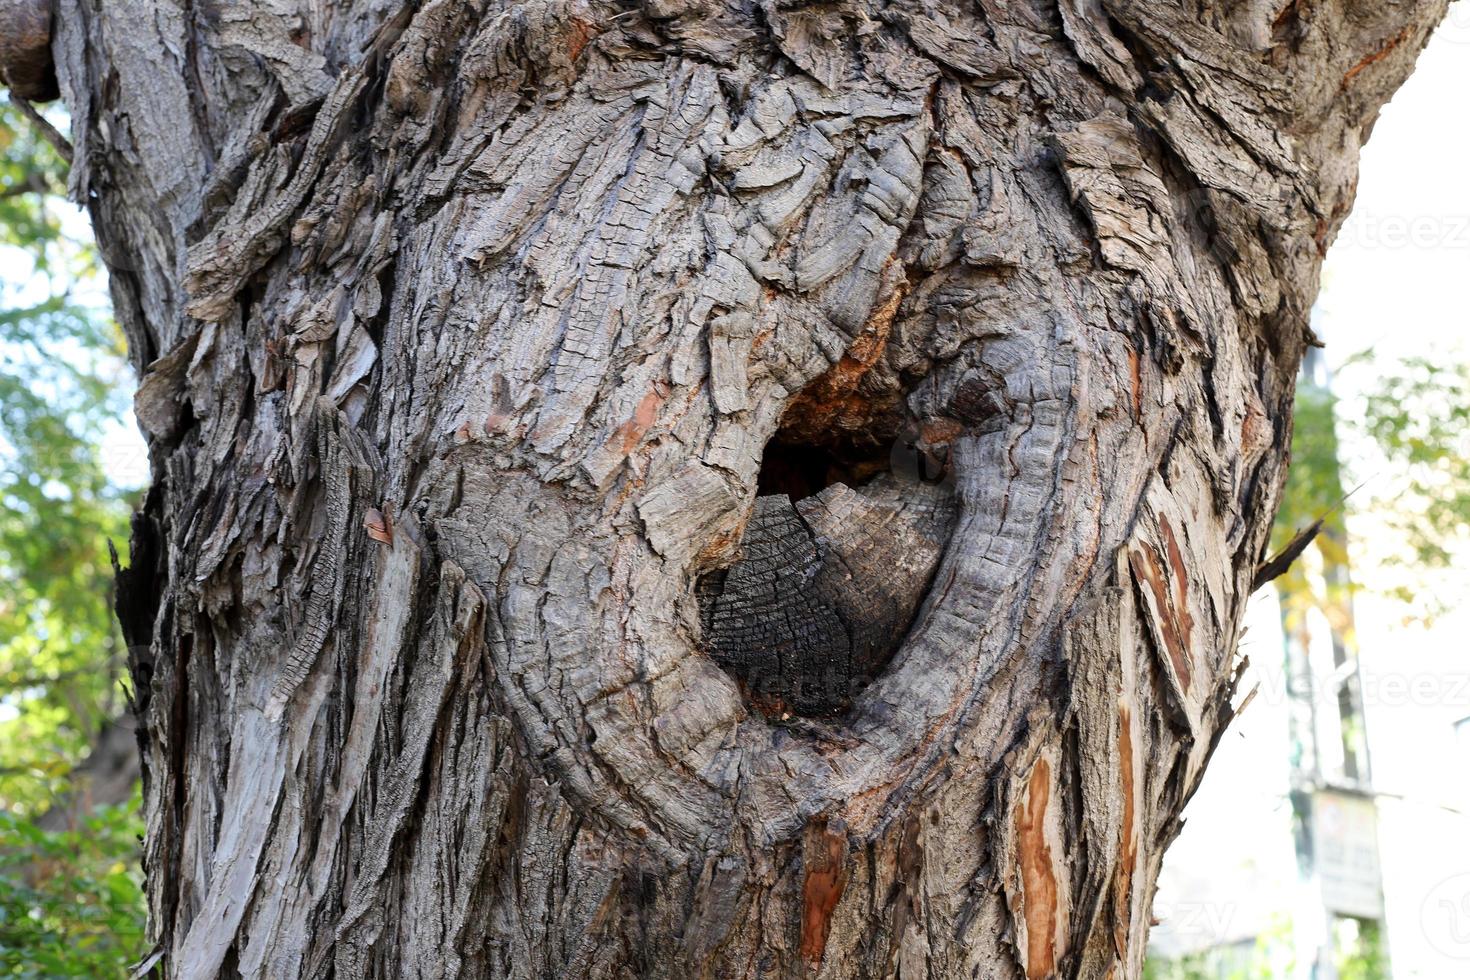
(1396, 278)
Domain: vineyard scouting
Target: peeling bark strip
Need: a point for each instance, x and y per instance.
(479, 342)
(824, 860)
(1170, 610)
(1039, 888)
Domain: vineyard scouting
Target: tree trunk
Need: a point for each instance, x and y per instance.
(469, 333)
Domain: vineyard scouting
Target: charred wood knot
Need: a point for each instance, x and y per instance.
(978, 406)
(824, 591)
(26, 66)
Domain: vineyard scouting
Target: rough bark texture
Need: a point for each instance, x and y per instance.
(25, 49)
(463, 327)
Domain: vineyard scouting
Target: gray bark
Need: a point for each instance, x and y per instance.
(464, 328)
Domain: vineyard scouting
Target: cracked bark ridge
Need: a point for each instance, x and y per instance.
(463, 329)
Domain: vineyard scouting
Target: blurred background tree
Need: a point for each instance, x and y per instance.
(1399, 457)
(1415, 423)
(70, 901)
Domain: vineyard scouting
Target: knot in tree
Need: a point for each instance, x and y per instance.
(824, 591)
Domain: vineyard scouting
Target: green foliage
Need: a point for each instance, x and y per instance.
(1417, 417)
(32, 180)
(60, 389)
(1200, 965)
(70, 901)
(1359, 950)
(60, 655)
(1270, 955)
(1314, 484)
(1412, 460)
(1314, 490)
(1235, 962)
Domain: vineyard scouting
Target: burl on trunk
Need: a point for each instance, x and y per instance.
(696, 489)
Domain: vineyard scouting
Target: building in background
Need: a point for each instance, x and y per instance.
(1339, 913)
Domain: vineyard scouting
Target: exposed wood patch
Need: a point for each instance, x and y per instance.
(845, 425)
(938, 431)
(1127, 835)
(578, 33)
(1135, 378)
(378, 526)
(631, 432)
(1169, 612)
(501, 416)
(1179, 571)
(1377, 55)
(839, 401)
(824, 854)
(1039, 887)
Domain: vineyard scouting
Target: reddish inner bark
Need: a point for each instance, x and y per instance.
(1038, 879)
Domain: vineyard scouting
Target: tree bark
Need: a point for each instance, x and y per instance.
(464, 329)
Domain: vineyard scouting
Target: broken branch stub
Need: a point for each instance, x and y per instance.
(26, 66)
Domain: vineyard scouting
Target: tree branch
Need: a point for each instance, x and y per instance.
(1276, 566)
(34, 183)
(49, 132)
